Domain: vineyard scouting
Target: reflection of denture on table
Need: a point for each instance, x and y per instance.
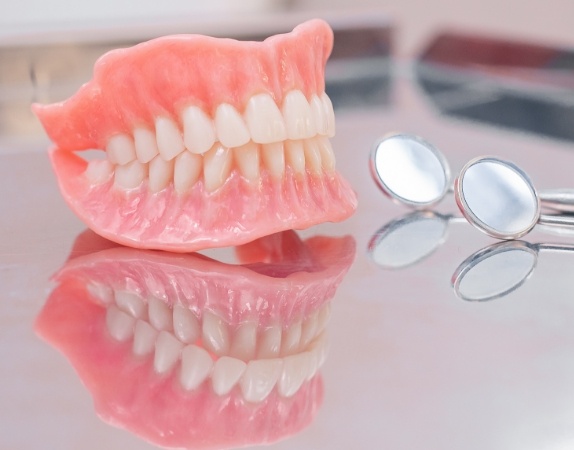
(192, 124)
(156, 336)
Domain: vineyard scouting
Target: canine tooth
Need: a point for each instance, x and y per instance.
(244, 341)
(185, 324)
(327, 155)
(226, 373)
(144, 338)
(130, 303)
(247, 159)
(309, 330)
(120, 324)
(146, 144)
(167, 351)
(198, 130)
(319, 115)
(299, 120)
(99, 171)
(312, 156)
(196, 365)
(260, 378)
(329, 114)
(270, 342)
(160, 315)
(231, 130)
(120, 149)
(296, 369)
(131, 175)
(291, 339)
(216, 167)
(215, 335)
(264, 120)
(169, 139)
(160, 173)
(186, 172)
(295, 156)
(274, 158)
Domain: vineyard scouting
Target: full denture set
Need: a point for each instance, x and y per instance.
(151, 332)
(207, 143)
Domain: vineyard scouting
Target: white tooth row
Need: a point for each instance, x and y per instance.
(262, 122)
(169, 335)
(314, 155)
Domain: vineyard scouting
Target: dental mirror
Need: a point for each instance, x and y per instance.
(408, 240)
(499, 269)
(498, 198)
(410, 170)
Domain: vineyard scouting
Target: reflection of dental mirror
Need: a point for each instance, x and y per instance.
(410, 170)
(498, 198)
(409, 239)
(499, 269)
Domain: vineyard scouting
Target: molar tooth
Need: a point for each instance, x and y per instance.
(260, 378)
(169, 139)
(198, 130)
(160, 173)
(120, 149)
(296, 369)
(131, 175)
(231, 130)
(196, 365)
(99, 171)
(167, 351)
(244, 341)
(130, 303)
(216, 167)
(215, 335)
(247, 159)
(327, 155)
(299, 120)
(312, 156)
(120, 324)
(274, 158)
(329, 114)
(146, 144)
(186, 172)
(144, 338)
(291, 339)
(160, 315)
(185, 324)
(270, 342)
(264, 120)
(226, 373)
(295, 156)
(319, 114)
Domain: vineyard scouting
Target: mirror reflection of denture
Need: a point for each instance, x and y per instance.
(148, 331)
(250, 137)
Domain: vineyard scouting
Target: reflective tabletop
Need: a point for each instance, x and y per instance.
(436, 336)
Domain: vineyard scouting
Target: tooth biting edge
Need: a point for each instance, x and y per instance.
(217, 164)
(230, 127)
(299, 120)
(169, 138)
(196, 365)
(161, 172)
(130, 175)
(227, 372)
(145, 144)
(260, 378)
(247, 160)
(121, 149)
(167, 352)
(187, 170)
(198, 130)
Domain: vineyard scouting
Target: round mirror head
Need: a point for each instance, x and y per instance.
(497, 197)
(494, 271)
(410, 170)
(408, 240)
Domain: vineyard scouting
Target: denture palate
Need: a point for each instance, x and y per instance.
(196, 146)
(256, 358)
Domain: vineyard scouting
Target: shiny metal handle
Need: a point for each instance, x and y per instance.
(558, 199)
(561, 220)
